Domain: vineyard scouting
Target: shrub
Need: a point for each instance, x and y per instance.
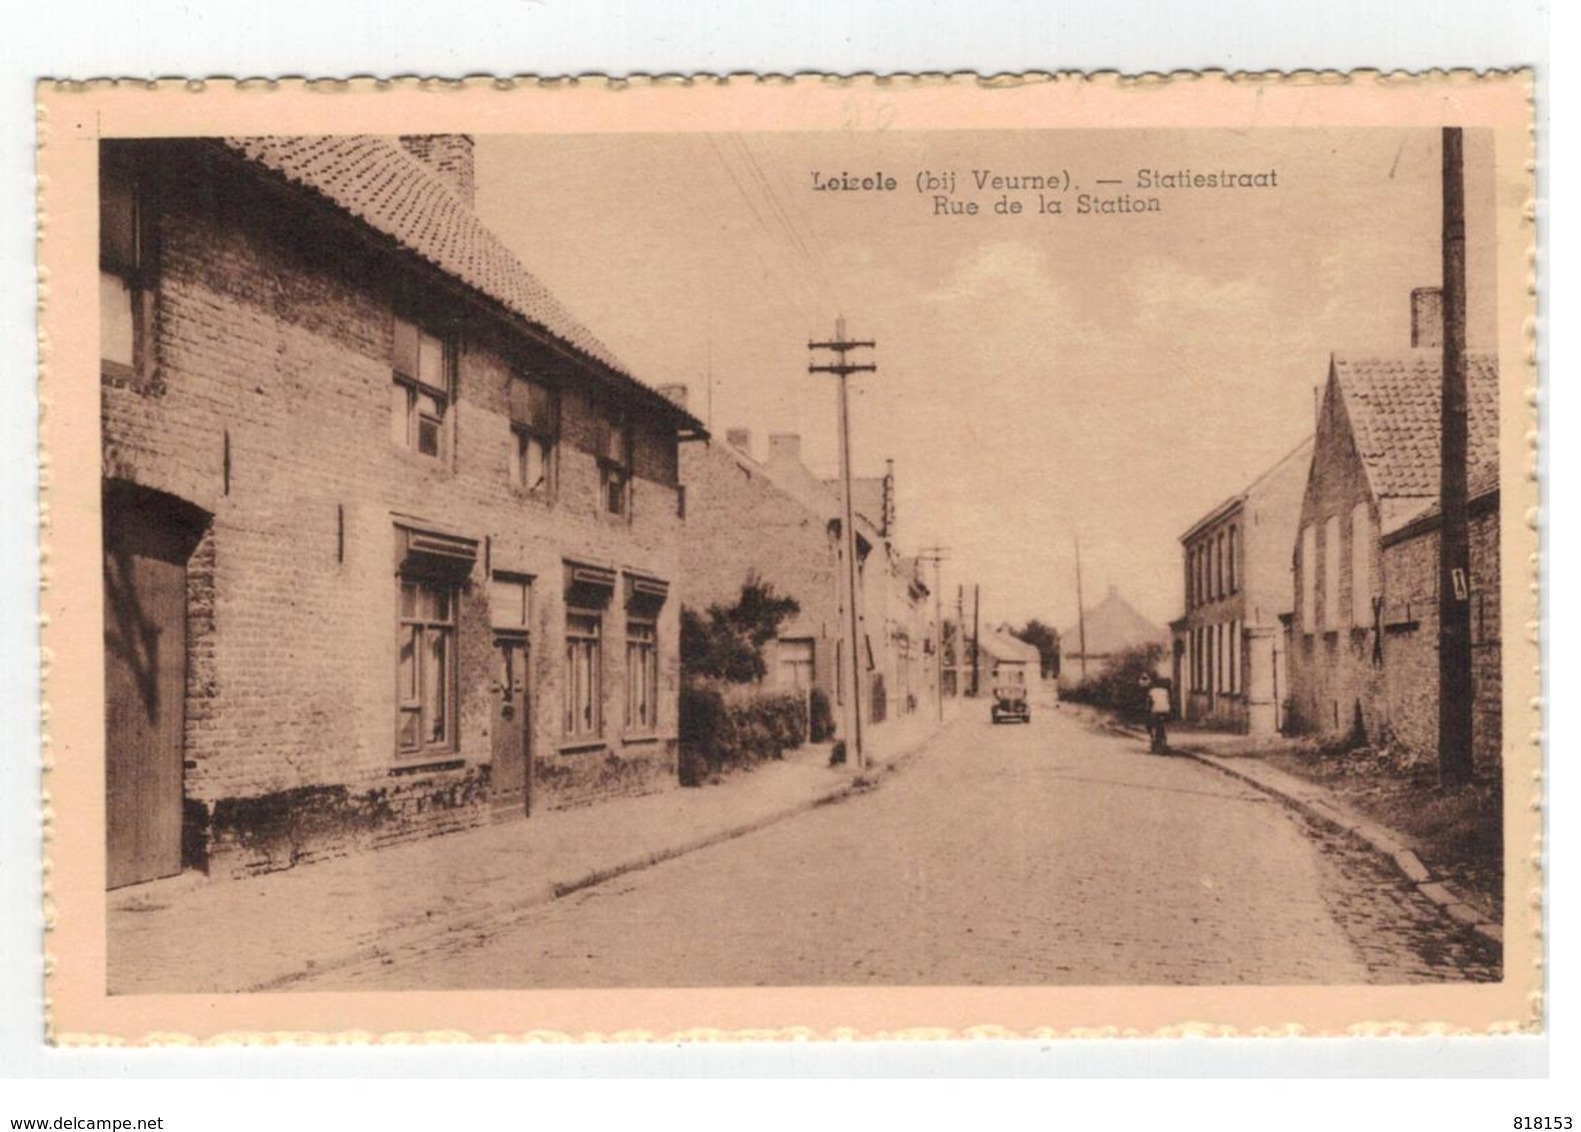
(727, 644)
(721, 729)
(702, 724)
(1121, 685)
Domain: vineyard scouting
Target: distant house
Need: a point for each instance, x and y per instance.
(1228, 665)
(1006, 660)
(1364, 648)
(1109, 627)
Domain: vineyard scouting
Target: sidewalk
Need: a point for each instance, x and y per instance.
(1233, 754)
(188, 934)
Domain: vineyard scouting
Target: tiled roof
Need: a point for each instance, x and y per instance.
(1002, 646)
(1393, 405)
(378, 182)
(1111, 625)
(1480, 483)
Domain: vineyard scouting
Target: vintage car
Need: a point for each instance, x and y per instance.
(1010, 702)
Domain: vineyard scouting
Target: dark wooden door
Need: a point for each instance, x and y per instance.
(145, 666)
(512, 774)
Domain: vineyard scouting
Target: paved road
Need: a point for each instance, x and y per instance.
(1011, 855)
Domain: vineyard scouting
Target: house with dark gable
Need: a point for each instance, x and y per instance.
(1363, 627)
(390, 538)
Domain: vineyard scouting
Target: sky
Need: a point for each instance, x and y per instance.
(1042, 378)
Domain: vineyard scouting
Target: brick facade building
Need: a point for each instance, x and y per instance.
(1364, 648)
(776, 521)
(1228, 666)
(389, 536)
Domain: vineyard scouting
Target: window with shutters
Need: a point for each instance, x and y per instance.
(535, 434)
(421, 365)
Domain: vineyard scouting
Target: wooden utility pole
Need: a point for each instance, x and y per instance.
(843, 369)
(1081, 616)
(977, 606)
(1454, 545)
(960, 640)
(936, 555)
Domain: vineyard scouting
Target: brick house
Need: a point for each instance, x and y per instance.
(1364, 645)
(389, 537)
(776, 521)
(1227, 665)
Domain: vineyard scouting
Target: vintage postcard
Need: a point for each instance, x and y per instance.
(817, 557)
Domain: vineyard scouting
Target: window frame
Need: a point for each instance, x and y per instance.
(421, 626)
(138, 272)
(506, 585)
(1230, 549)
(416, 386)
(525, 432)
(642, 647)
(594, 642)
(615, 467)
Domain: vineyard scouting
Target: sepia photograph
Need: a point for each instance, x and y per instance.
(870, 553)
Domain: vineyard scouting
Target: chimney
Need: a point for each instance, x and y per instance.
(675, 394)
(450, 156)
(740, 439)
(1427, 318)
(784, 447)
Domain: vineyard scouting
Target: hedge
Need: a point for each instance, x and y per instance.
(721, 730)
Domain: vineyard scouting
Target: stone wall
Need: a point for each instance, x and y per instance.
(1411, 638)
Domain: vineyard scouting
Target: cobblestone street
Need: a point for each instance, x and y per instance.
(1039, 854)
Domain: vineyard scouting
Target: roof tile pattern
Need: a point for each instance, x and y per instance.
(1393, 405)
(377, 181)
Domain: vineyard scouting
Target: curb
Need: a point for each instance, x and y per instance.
(554, 890)
(1450, 902)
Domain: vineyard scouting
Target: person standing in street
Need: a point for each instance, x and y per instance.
(1157, 715)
